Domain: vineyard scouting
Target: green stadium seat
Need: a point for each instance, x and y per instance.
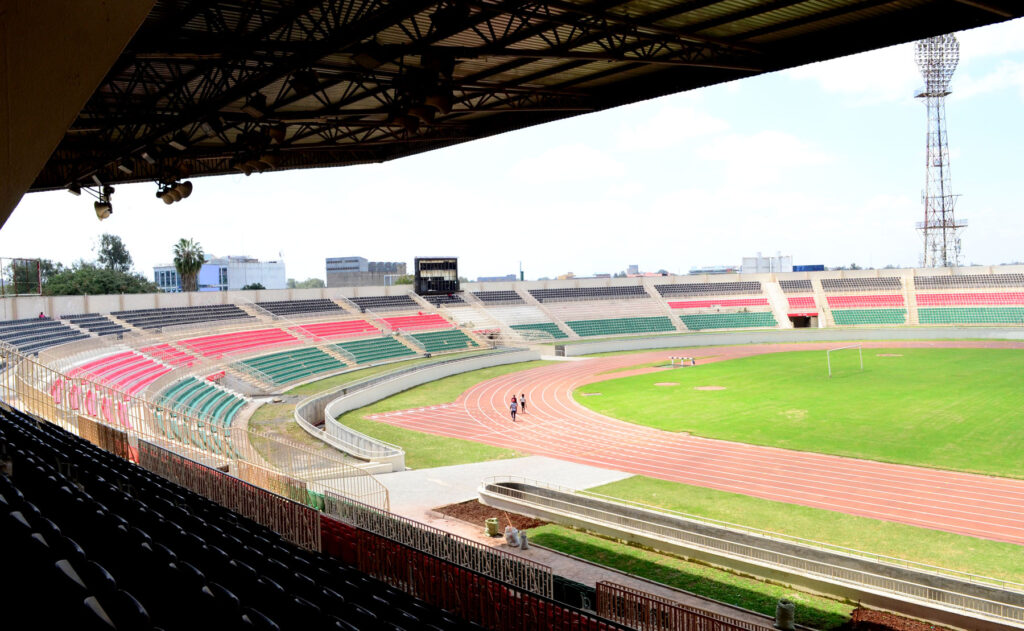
(621, 326)
(446, 340)
(292, 365)
(544, 327)
(741, 320)
(850, 317)
(971, 315)
(375, 349)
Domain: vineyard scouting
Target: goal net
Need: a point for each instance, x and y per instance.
(845, 359)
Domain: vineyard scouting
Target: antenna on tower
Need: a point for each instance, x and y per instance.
(937, 58)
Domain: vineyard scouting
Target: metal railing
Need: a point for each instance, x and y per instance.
(602, 511)
(649, 612)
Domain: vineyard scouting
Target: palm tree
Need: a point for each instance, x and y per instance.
(188, 259)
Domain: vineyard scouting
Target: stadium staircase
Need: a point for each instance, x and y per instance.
(825, 312)
(562, 326)
(663, 305)
(911, 299)
(779, 303)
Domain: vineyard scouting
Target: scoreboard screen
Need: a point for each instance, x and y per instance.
(436, 275)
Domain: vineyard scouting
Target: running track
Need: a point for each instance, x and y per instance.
(557, 426)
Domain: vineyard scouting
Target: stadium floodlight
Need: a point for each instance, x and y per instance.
(174, 192)
(103, 209)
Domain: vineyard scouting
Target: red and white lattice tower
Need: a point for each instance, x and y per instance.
(936, 58)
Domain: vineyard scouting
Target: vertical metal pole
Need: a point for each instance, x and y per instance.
(828, 358)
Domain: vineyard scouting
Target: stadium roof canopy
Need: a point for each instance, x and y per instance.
(207, 87)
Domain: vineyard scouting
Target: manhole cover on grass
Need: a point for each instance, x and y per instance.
(709, 388)
(590, 394)
(890, 355)
(667, 383)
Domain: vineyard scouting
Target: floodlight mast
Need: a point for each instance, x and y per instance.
(937, 58)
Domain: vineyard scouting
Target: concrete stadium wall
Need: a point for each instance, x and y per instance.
(688, 340)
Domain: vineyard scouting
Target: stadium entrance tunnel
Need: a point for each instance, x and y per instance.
(804, 321)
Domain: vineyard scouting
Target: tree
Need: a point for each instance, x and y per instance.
(88, 278)
(113, 255)
(254, 286)
(404, 279)
(855, 266)
(188, 260)
(309, 283)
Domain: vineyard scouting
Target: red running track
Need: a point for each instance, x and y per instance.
(556, 426)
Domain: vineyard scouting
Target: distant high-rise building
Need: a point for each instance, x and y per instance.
(226, 273)
(356, 271)
(766, 264)
(633, 270)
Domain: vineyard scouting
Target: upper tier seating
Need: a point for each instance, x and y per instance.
(710, 289)
(93, 542)
(588, 293)
(744, 319)
(605, 309)
(444, 299)
(719, 302)
(800, 286)
(440, 341)
(375, 349)
(621, 326)
(401, 302)
(969, 281)
(504, 297)
(865, 301)
(848, 317)
(971, 315)
(840, 285)
(300, 307)
(346, 328)
(128, 371)
(417, 322)
(32, 335)
(177, 316)
(227, 343)
(801, 302)
(980, 298)
(95, 323)
(292, 365)
(169, 354)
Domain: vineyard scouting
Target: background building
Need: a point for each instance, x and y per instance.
(226, 273)
(767, 264)
(355, 271)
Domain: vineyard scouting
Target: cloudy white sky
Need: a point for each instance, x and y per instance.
(823, 162)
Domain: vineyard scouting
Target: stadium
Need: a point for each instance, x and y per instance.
(803, 449)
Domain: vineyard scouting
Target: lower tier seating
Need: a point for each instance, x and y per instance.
(848, 317)
(544, 327)
(971, 315)
(440, 341)
(218, 345)
(96, 543)
(718, 302)
(201, 399)
(375, 349)
(169, 354)
(345, 328)
(971, 299)
(292, 365)
(742, 320)
(621, 326)
(417, 322)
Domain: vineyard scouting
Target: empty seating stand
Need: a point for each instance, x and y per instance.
(550, 328)
(969, 281)
(128, 371)
(718, 302)
(850, 317)
(675, 290)
(417, 322)
(797, 286)
(621, 326)
(969, 299)
(444, 299)
(375, 349)
(865, 301)
(32, 335)
(301, 307)
(971, 315)
(169, 354)
(94, 542)
(95, 323)
(293, 365)
(441, 341)
(178, 316)
(588, 293)
(347, 328)
(385, 303)
(843, 285)
(201, 399)
(504, 297)
(227, 343)
(801, 302)
(741, 320)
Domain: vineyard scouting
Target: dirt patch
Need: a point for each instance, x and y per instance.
(473, 512)
(870, 620)
(590, 394)
(667, 383)
(889, 355)
(709, 388)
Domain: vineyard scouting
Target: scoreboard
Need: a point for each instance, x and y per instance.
(436, 275)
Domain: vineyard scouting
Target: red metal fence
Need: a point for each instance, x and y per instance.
(648, 612)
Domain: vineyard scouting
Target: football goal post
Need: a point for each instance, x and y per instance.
(828, 355)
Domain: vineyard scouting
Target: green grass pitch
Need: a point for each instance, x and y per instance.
(960, 409)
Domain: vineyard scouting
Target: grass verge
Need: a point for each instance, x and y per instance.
(813, 611)
(371, 371)
(423, 451)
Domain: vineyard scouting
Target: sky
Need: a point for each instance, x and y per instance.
(824, 163)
